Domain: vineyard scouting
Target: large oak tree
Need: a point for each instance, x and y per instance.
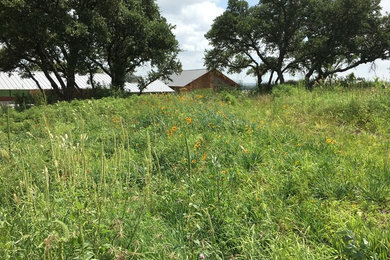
(130, 34)
(65, 37)
(316, 37)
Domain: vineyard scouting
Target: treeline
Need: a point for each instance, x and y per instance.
(66, 37)
(317, 38)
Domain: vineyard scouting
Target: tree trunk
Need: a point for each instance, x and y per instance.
(259, 81)
(70, 90)
(281, 77)
(118, 73)
(270, 80)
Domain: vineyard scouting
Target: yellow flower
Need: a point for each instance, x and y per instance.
(193, 161)
(334, 142)
(284, 106)
(189, 120)
(219, 112)
(224, 171)
(296, 163)
(328, 141)
(244, 149)
(197, 145)
(299, 144)
(116, 120)
(204, 158)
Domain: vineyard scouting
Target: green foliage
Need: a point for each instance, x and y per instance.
(149, 42)
(316, 38)
(294, 175)
(284, 90)
(66, 37)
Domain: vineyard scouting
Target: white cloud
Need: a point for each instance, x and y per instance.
(385, 5)
(193, 19)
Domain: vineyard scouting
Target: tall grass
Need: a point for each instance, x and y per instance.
(292, 175)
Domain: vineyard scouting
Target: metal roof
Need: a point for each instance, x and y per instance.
(186, 77)
(155, 87)
(13, 81)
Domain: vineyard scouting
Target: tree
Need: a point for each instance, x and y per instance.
(317, 37)
(281, 24)
(130, 34)
(341, 35)
(49, 35)
(66, 37)
(261, 38)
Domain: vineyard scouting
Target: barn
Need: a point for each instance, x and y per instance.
(189, 80)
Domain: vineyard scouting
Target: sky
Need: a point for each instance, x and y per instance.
(193, 19)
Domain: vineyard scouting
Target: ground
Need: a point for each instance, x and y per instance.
(294, 175)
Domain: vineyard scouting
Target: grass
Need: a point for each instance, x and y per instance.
(293, 175)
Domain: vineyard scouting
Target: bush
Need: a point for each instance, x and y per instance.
(284, 90)
(228, 98)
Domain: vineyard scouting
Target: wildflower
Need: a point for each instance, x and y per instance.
(174, 128)
(202, 256)
(299, 144)
(244, 149)
(296, 163)
(184, 160)
(204, 158)
(328, 141)
(193, 161)
(224, 171)
(137, 144)
(189, 120)
(116, 120)
(219, 112)
(284, 106)
(197, 145)
(334, 142)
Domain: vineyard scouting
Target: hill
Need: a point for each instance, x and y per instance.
(292, 175)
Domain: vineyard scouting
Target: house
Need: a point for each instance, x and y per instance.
(189, 80)
(12, 85)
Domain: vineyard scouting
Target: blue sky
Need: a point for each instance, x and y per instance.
(193, 18)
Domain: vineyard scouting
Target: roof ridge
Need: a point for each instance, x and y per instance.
(196, 69)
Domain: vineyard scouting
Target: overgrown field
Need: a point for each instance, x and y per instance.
(293, 175)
